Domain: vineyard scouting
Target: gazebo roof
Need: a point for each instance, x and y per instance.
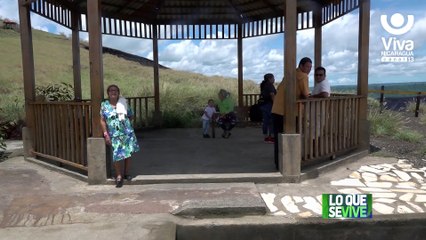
(199, 12)
(219, 13)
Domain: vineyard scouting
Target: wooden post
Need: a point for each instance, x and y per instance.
(382, 97)
(363, 51)
(290, 66)
(240, 65)
(156, 69)
(157, 118)
(75, 16)
(418, 105)
(289, 143)
(318, 37)
(28, 69)
(96, 63)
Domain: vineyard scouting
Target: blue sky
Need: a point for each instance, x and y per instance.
(265, 54)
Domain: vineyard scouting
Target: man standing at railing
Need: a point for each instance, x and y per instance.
(322, 86)
(302, 92)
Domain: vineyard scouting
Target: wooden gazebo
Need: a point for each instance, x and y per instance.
(341, 120)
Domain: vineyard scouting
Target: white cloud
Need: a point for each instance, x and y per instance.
(342, 81)
(274, 55)
(418, 32)
(9, 9)
(206, 56)
(130, 45)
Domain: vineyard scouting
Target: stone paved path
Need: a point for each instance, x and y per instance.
(396, 188)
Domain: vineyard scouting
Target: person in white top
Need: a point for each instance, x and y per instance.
(209, 112)
(321, 90)
(322, 86)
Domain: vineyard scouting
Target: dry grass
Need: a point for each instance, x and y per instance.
(180, 92)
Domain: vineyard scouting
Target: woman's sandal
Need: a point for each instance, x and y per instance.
(119, 182)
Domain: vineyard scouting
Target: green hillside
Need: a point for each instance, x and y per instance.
(180, 92)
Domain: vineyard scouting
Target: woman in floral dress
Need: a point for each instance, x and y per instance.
(118, 131)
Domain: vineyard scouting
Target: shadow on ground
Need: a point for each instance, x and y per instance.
(184, 151)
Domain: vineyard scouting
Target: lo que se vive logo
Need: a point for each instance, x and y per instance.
(347, 206)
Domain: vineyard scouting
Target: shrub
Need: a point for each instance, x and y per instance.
(409, 136)
(373, 103)
(423, 119)
(411, 107)
(12, 119)
(2, 146)
(175, 119)
(12, 110)
(56, 92)
(2, 143)
(385, 123)
(423, 151)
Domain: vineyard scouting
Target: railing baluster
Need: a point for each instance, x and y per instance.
(328, 126)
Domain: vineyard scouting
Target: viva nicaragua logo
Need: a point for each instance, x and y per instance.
(397, 49)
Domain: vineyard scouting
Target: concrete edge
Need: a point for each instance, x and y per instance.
(230, 206)
(403, 226)
(161, 230)
(14, 153)
(270, 219)
(216, 209)
(314, 172)
(57, 169)
(273, 177)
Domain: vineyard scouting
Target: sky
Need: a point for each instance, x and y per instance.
(265, 54)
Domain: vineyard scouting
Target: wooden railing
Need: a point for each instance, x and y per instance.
(243, 112)
(62, 128)
(140, 107)
(329, 126)
(250, 99)
(61, 131)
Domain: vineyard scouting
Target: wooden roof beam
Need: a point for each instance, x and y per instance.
(27, 2)
(145, 14)
(126, 5)
(272, 7)
(236, 10)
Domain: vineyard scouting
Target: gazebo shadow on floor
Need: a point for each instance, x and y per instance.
(185, 151)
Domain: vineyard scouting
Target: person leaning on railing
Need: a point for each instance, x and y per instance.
(322, 86)
(302, 92)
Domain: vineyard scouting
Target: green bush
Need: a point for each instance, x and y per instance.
(423, 119)
(385, 123)
(56, 92)
(12, 119)
(175, 119)
(389, 123)
(12, 110)
(423, 151)
(409, 136)
(373, 103)
(411, 107)
(2, 142)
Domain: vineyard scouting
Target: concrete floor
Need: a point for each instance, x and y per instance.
(185, 151)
